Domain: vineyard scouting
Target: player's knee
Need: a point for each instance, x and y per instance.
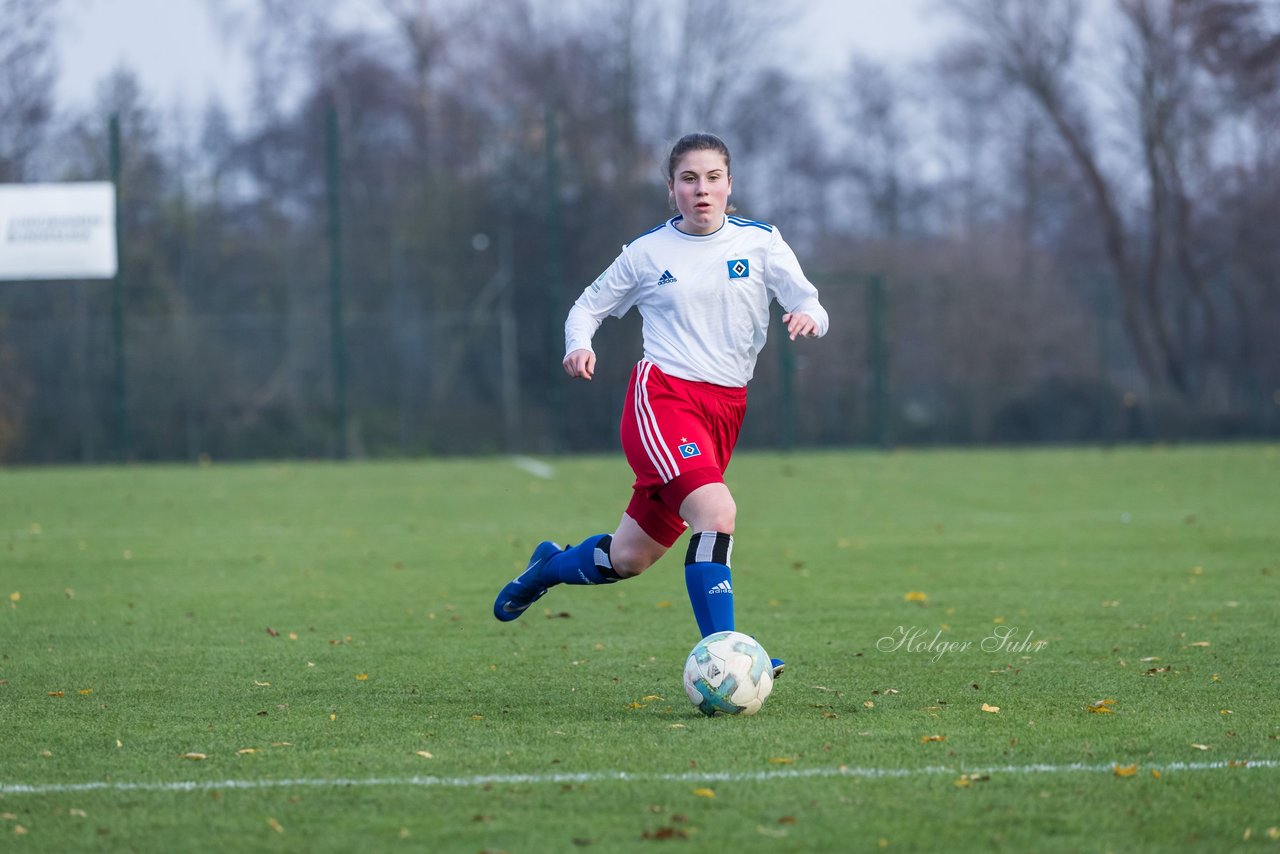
(630, 561)
(710, 508)
(723, 521)
(722, 517)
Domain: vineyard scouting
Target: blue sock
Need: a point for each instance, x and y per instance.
(709, 581)
(586, 563)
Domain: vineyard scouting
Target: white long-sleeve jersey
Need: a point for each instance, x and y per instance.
(704, 299)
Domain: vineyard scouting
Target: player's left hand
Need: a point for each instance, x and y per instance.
(800, 325)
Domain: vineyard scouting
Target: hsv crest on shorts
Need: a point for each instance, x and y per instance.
(690, 449)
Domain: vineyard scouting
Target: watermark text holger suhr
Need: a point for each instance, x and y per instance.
(915, 639)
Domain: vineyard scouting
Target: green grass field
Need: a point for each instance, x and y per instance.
(321, 634)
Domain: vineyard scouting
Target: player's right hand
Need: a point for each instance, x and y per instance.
(580, 364)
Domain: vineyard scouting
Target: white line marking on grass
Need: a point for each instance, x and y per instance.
(615, 776)
(537, 468)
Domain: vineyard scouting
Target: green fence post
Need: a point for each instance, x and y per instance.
(121, 390)
(336, 321)
(879, 357)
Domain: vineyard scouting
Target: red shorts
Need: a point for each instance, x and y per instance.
(678, 435)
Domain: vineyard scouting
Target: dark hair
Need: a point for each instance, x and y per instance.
(695, 142)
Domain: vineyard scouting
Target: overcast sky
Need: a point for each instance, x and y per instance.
(183, 58)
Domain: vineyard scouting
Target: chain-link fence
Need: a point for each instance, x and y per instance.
(232, 347)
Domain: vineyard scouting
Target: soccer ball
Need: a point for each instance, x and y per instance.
(728, 672)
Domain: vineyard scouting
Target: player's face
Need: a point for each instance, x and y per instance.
(701, 188)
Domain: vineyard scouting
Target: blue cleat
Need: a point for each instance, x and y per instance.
(526, 588)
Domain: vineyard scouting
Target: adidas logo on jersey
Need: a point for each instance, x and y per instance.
(722, 587)
(666, 278)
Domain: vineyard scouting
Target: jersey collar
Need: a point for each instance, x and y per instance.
(675, 221)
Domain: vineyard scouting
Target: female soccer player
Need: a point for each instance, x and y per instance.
(703, 282)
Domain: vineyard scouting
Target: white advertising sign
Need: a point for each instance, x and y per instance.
(58, 231)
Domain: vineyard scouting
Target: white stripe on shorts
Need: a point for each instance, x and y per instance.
(650, 436)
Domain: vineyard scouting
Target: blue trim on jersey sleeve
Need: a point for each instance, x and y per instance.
(658, 227)
(742, 221)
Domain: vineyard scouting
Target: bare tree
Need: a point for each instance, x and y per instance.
(1154, 245)
(705, 52)
(879, 156)
(1238, 40)
(27, 77)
